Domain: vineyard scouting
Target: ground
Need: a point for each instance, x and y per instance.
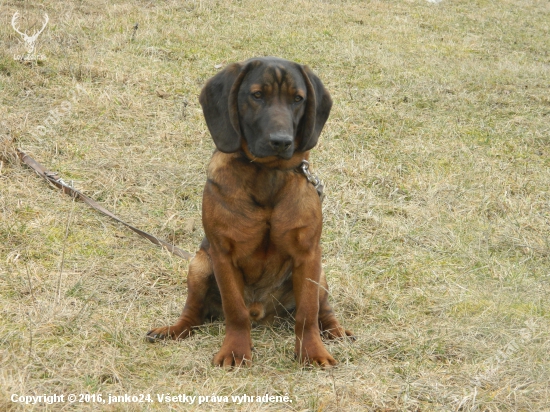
(436, 165)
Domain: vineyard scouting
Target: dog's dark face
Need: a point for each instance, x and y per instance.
(267, 107)
(271, 102)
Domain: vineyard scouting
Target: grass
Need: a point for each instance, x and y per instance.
(436, 163)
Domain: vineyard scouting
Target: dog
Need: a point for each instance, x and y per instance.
(261, 254)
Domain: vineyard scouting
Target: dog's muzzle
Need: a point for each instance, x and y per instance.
(282, 144)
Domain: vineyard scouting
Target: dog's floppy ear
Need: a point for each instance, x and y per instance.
(318, 105)
(219, 105)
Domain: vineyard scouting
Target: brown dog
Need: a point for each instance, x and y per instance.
(261, 256)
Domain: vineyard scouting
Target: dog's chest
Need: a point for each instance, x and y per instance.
(263, 218)
(267, 274)
(264, 259)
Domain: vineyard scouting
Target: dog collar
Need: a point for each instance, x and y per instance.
(311, 178)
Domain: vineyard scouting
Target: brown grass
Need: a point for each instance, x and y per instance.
(437, 217)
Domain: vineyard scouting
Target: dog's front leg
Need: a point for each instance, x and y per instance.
(305, 280)
(237, 345)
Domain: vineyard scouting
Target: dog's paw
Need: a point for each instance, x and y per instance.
(313, 353)
(320, 358)
(234, 353)
(231, 359)
(168, 332)
(338, 333)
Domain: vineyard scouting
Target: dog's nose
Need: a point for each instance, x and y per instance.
(280, 142)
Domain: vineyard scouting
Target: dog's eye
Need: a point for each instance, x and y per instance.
(257, 95)
(298, 98)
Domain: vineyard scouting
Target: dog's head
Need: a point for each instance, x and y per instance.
(268, 107)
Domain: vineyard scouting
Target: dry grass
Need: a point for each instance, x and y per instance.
(437, 221)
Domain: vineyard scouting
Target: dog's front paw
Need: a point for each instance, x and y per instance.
(233, 358)
(234, 353)
(313, 353)
(169, 332)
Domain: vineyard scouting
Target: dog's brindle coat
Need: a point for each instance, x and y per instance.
(261, 256)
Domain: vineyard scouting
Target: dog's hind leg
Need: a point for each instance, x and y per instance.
(328, 324)
(199, 283)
